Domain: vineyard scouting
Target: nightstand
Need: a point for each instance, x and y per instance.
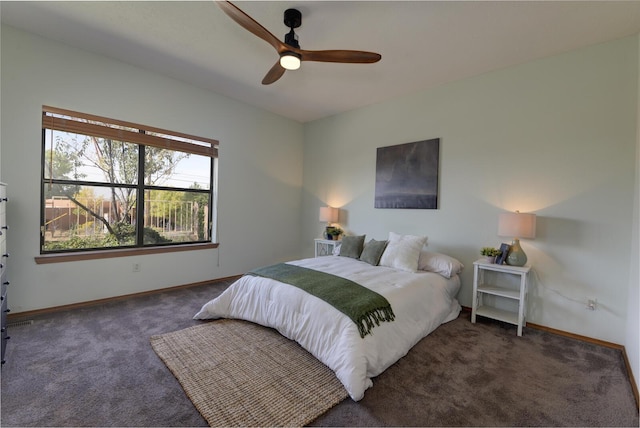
(325, 247)
(512, 293)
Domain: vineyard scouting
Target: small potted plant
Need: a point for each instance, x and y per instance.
(333, 232)
(490, 254)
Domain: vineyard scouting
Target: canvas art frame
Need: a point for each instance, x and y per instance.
(504, 253)
(407, 175)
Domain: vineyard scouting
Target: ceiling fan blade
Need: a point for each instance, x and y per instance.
(251, 25)
(292, 20)
(274, 74)
(356, 57)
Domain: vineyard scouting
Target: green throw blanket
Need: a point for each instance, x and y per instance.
(365, 307)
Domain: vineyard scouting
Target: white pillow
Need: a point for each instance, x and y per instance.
(446, 266)
(403, 251)
(336, 250)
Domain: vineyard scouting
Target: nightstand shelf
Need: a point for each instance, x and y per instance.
(500, 289)
(324, 247)
(498, 314)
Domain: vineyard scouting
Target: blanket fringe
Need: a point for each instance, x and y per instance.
(367, 321)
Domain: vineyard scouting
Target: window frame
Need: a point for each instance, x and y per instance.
(142, 136)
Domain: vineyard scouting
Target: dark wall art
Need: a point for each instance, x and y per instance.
(407, 175)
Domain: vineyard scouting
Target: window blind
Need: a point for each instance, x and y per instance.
(87, 124)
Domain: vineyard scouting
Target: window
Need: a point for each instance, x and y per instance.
(110, 184)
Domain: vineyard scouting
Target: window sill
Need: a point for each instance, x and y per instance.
(107, 254)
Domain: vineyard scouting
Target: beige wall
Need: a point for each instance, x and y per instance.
(632, 343)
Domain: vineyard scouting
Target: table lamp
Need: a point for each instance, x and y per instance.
(328, 215)
(517, 225)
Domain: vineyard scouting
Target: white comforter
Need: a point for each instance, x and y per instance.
(420, 301)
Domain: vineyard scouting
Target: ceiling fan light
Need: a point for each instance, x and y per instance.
(290, 61)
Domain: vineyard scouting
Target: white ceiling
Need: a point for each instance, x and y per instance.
(423, 43)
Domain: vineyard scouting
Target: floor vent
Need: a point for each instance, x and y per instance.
(19, 323)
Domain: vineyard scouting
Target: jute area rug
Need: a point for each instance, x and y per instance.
(238, 373)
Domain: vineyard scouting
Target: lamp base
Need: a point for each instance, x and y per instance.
(516, 256)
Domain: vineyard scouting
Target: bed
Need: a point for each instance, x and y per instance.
(421, 301)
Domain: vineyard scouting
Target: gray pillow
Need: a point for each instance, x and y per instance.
(352, 246)
(373, 251)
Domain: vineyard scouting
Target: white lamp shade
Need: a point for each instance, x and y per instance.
(517, 225)
(328, 214)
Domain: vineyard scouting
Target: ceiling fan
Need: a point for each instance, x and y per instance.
(290, 53)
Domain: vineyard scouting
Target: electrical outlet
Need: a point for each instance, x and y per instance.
(136, 267)
(592, 304)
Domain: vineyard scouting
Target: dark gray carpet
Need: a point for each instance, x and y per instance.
(95, 367)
